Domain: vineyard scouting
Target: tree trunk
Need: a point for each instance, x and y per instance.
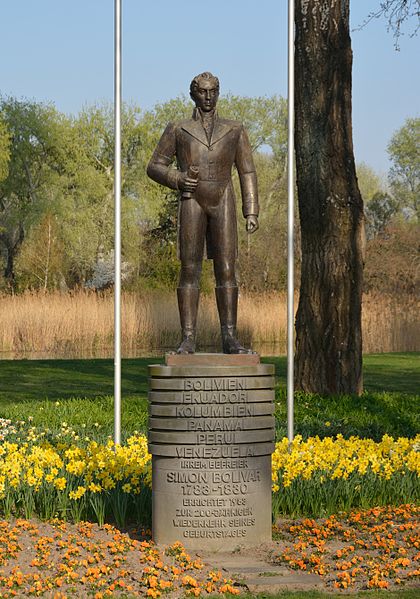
(328, 322)
(9, 269)
(12, 244)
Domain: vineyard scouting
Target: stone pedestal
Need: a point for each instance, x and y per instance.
(211, 435)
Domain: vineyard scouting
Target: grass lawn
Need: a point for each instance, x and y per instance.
(79, 392)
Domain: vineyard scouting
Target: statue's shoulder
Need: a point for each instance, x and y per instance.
(173, 127)
(184, 123)
(230, 123)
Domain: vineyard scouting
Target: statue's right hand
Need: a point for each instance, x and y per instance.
(185, 183)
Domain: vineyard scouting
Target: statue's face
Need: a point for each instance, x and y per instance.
(205, 95)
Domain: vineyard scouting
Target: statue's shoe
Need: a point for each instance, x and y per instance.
(187, 346)
(231, 345)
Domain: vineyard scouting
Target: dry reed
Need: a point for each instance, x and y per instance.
(390, 324)
(81, 324)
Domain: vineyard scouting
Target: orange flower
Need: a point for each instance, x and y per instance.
(165, 584)
(227, 588)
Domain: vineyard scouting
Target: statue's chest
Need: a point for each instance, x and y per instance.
(202, 151)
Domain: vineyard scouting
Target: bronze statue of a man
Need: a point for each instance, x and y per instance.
(205, 148)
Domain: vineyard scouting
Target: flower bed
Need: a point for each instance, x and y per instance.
(74, 479)
(75, 482)
(365, 549)
(322, 476)
(60, 560)
(368, 549)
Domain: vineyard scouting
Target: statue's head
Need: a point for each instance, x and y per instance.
(204, 91)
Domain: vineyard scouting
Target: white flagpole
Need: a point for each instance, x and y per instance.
(117, 233)
(290, 219)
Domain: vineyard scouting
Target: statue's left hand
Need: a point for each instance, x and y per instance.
(252, 223)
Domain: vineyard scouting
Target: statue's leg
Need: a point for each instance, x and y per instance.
(224, 239)
(191, 246)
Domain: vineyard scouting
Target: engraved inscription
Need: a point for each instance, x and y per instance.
(214, 384)
(213, 512)
(222, 397)
(217, 476)
(216, 498)
(215, 438)
(213, 498)
(204, 501)
(213, 501)
(212, 424)
(213, 464)
(229, 451)
(187, 477)
(211, 437)
(225, 533)
(221, 489)
(216, 523)
(230, 410)
(236, 476)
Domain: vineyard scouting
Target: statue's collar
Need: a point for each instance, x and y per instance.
(195, 128)
(197, 115)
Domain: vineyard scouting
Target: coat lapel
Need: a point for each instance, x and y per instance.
(195, 128)
(219, 131)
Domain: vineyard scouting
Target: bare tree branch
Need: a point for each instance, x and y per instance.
(396, 12)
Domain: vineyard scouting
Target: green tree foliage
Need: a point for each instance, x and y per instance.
(369, 181)
(380, 206)
(86, 212)
(57, 195)
(64, 167)
(265, 120)
(404, 174)
(379, 213)
(160, 265)
(34, 155)
(263, 256)
(42, 259)
(4, 149)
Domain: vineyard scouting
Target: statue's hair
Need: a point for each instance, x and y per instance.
(195, 83)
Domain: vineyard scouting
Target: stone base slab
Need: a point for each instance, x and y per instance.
(202, 359)
(216, 504)
(211, 435)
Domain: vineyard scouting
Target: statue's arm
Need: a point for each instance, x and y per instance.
(247, 176)
(159, 168)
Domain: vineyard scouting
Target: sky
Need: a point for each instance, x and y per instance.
(62, 52)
